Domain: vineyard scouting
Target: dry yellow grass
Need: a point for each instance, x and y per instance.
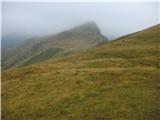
(118, 80)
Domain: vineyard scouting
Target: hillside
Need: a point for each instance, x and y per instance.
(12, 40)
(117, 80)
(66, 43)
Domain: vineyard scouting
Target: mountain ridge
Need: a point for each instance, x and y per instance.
(70, 41)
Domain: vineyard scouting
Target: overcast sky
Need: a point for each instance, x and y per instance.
(114, 19)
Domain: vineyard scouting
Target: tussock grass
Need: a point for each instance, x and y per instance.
(118, 80)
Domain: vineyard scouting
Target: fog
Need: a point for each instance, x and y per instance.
(114, 19)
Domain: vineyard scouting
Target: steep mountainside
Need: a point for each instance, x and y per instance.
(63, 44)
(117, 80)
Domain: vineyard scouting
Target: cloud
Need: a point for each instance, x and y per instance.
(114, 19)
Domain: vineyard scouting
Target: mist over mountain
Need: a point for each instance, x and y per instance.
(115, 19)
(80, 61)
(14, 39)
(36, 50)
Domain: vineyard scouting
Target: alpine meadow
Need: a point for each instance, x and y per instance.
(80, 74)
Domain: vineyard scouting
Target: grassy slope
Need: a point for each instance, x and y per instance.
(44, 55)
(118, 80)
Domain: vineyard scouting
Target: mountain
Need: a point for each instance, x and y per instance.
(116, 80)
(12, 40)
(63, 44)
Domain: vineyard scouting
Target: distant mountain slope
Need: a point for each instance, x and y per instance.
(71, 41)
(117, 80)
(12, 40)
